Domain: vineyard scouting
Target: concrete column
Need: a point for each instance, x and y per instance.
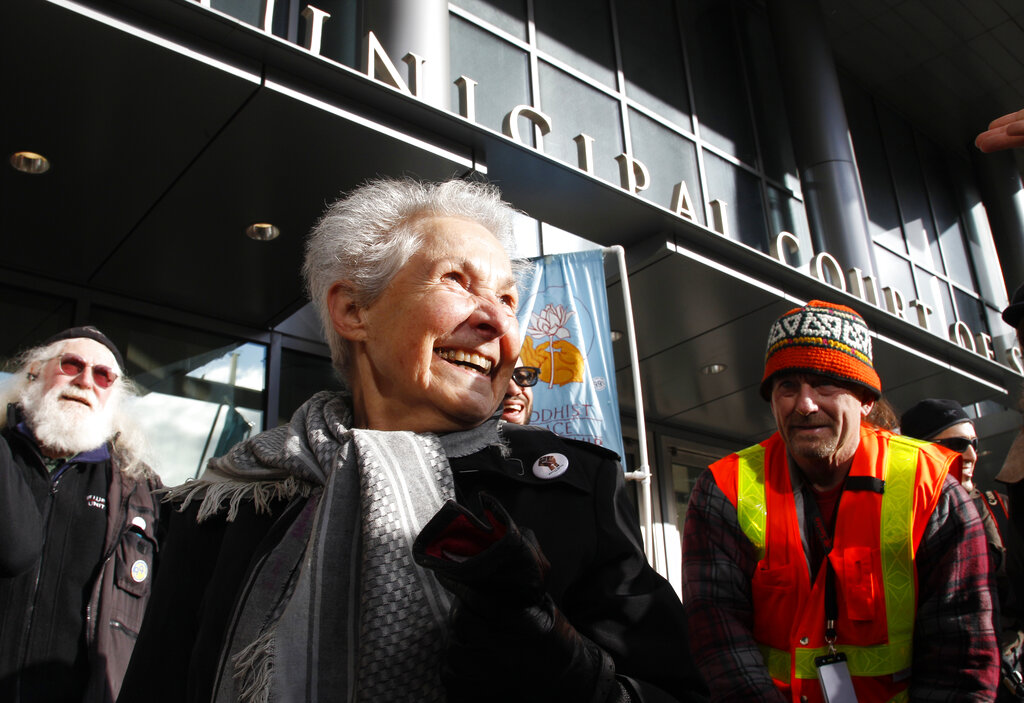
(821, 137)
(419, 27)
(1003, 194)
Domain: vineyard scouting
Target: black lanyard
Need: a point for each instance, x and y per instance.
(825, 540)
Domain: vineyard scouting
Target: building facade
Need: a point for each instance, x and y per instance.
(749, 155)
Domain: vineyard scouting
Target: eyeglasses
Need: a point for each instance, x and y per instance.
(74, 365)
(958, 444)
(525, 376)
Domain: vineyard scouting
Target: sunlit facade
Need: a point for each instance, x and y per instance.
(668, 127)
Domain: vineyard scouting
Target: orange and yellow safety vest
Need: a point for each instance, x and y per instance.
(877, 531)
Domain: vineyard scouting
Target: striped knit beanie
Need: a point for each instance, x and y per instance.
(822, 338)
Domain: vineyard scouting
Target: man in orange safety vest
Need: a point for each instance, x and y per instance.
(835, 560)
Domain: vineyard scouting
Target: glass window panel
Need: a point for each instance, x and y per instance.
(875, 180)
(655, 79)
(683, 478)
(185, 433)
(787, 214)
(202, 392)
(970, 311)
(302, 375)
(944, 201)
(507, 15)
(29, 318)
(304, 323)
(720, 98)
(977, 232)
(955, 254)
(244, 10)
(341, 38)
(934, 292)
(341, 20)
(579, 33)
(894, 272)
(741, 193)
(574, 108)
(948, 313)
(918, 227)
(669, 158)
(1004, 337)
(502, 73)
(775, 141)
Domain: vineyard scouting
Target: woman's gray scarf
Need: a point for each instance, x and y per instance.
(337, 610)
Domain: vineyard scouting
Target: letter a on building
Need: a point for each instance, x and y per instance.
(566, 334)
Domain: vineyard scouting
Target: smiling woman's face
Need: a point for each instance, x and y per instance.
(435, 351)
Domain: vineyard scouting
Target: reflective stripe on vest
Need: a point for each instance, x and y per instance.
(897, 514)
(751, 501)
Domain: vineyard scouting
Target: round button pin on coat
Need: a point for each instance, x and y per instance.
(140, 570)
(550, 465)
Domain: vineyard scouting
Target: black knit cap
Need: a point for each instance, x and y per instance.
(1014, 312)
(930, 417)
(88, 332)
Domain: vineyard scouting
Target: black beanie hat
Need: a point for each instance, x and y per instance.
(88, 332)
(930, 417)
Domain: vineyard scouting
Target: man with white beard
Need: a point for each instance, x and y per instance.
(78, 522)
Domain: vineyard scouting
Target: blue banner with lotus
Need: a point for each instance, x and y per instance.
(563, 319)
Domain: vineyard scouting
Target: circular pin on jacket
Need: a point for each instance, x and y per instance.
(140, 570)
(550, 465)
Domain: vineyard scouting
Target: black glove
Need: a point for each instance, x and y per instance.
(508, 640)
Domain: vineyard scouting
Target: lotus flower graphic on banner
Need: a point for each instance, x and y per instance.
(559, 361)
(566, 334)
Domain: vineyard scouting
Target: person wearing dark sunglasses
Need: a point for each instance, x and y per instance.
(78, 522)
(945, 423)
(518, 402)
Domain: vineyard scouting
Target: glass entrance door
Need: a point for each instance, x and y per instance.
(682, 461)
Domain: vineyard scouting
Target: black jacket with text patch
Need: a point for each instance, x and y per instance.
(77, 556)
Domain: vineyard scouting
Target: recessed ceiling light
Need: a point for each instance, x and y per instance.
(29, 162)
(713, 369)
(262, 231)
(616, 335)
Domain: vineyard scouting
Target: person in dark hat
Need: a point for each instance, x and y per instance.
(836, 560)
(944, 422)
(78, 522)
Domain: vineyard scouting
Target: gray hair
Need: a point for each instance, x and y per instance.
(128, 443)
(367, 236)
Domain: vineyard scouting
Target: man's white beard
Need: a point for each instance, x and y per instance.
(65, 427)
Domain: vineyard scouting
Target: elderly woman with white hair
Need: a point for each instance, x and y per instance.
(398, 541)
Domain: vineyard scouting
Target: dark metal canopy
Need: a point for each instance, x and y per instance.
(171, 129)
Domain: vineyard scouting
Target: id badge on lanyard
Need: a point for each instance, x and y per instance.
(833, 673)
(834, 676)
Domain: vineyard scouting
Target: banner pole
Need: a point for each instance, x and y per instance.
(643, 473)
